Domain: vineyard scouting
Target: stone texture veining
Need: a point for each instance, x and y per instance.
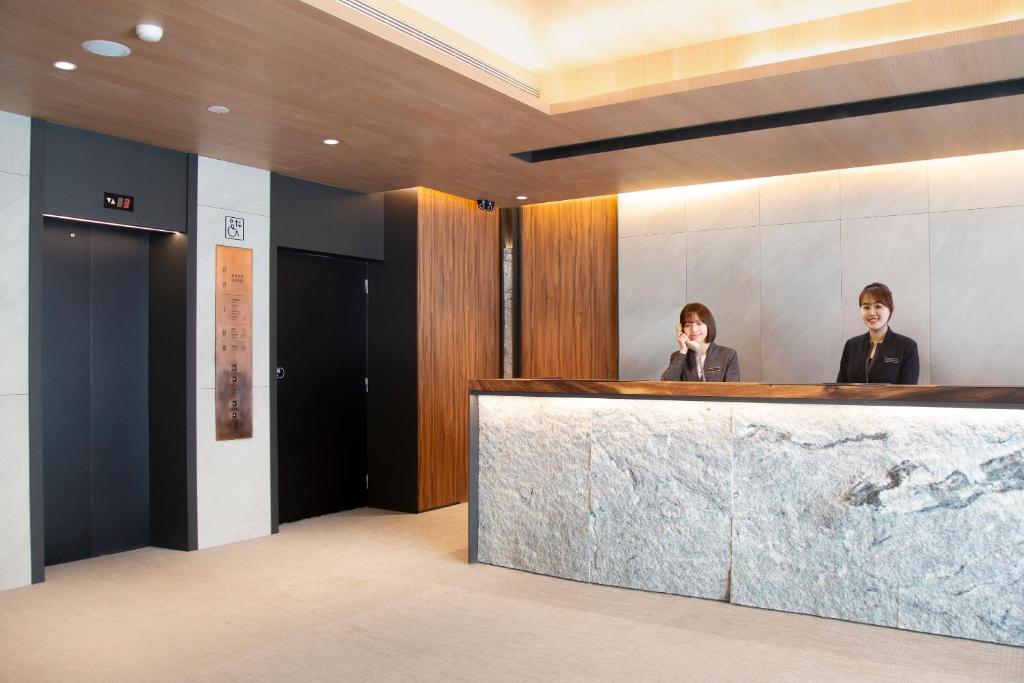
(911, 517)
(621, 492)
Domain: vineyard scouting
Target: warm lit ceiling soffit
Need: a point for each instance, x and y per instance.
(576, 54)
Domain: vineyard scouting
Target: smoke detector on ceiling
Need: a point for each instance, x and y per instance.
(150, 33)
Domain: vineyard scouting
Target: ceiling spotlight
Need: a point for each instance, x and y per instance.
(65, 66)
(521, 197)
(330, 141)
(106, 48)
(218, 109)
(150, 33)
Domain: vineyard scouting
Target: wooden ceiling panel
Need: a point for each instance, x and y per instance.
(294, 75)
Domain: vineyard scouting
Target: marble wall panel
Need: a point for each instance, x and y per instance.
(733, 204)
(534, 485)
(15, 528)
(890, 190)
(233, 187)
(15, 538)
(800, 198)
(653, 212)
(895, 515)
(983, 180)
(800, 303)
(660, 495)
(232, 477)
(15, 142)
(893, 250)
(652, 291)
(976, 281)
(723, 271)
(14, 219)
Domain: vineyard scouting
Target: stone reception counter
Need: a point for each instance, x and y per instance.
(892, 505)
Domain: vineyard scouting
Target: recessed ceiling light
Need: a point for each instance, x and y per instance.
(218, 109)
(330, 141)
(521, 197)
(65, 66)
(106, 48)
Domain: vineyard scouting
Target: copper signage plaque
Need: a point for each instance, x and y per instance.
(234, 343)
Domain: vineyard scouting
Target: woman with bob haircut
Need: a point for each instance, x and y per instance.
(879, 355)
(699, 358)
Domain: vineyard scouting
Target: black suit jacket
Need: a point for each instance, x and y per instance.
(720, 365)
(895, 362)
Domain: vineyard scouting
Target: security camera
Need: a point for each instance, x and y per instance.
(485, 204)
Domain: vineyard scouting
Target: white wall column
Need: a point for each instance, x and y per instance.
(232, 477)
(15, 537)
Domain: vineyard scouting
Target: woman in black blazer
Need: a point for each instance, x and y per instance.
(880, 355)
(699, 358)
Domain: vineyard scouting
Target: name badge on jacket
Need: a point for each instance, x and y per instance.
(718, 369)
(892, 359)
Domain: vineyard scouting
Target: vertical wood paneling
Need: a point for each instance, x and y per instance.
(459, 326)
(569, 289)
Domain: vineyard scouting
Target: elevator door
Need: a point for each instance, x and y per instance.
(95, 393)
(321, 397)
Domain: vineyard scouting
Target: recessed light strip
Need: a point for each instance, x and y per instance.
(433, 42)
(797, 117)
(75, 219)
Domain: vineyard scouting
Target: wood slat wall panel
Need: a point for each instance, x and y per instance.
(459, 327)
(569, 289)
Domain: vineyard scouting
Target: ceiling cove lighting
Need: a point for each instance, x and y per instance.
(65, 66)
(106, 48)
(330, 141)
(796, 117)
(218, 109)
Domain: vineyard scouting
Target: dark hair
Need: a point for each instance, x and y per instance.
(879, 293)
(703, 313)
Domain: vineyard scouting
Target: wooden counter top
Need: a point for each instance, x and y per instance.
(1009, 397)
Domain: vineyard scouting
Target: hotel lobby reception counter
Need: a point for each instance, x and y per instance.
(900, 506)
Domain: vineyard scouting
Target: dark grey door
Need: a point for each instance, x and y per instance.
(321, 398)
(95, 393)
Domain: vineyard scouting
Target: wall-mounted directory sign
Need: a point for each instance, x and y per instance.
(234, 343)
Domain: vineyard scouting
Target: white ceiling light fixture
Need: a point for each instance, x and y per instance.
(65, 66)
(150, 33)
(218, 109)
(521, 197)
(106, 48)
(330, 141)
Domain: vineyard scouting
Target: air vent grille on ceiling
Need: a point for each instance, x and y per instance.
(433, 42)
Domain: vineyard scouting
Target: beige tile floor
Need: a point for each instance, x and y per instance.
(376, 596)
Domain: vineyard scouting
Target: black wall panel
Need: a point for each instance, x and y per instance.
(80, 166)
(67, 395)
(393, 454)
(120, 389)
(320, 218)
(95, 390)
(168, 392)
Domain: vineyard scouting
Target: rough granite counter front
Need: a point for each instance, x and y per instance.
(897, 515)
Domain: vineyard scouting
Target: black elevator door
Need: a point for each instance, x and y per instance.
(95, 398)
(321, 398)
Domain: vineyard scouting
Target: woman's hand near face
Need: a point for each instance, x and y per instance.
(682, 339)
